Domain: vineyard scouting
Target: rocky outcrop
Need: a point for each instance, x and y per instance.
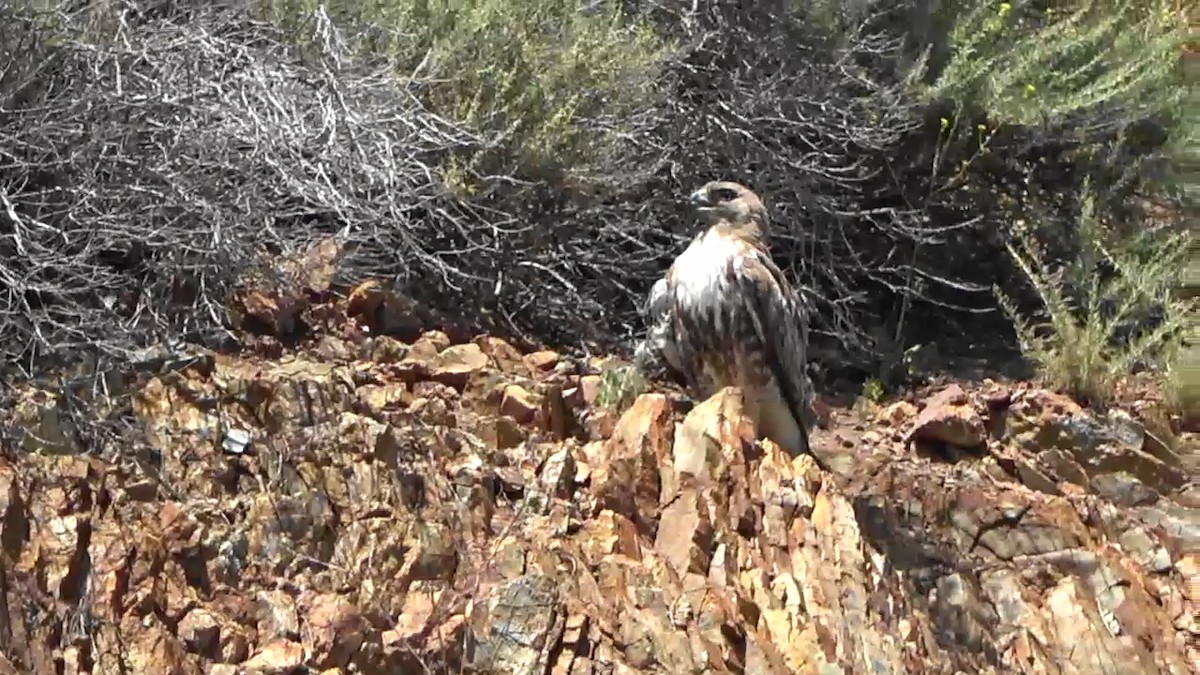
(445, 505)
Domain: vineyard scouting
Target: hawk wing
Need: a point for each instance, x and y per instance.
(779, 319)
(658, 301)
(659, 348)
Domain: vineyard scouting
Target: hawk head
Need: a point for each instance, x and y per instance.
(734, 203)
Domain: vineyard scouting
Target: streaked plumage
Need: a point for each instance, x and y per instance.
(725, 315)
(657, 351)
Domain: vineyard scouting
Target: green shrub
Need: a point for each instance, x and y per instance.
(1082, 89)
(1042, 104)
(1183, 380)
(1108, 311)
(1024, 63)
(620, 386)
(544, 82)
(873, 390)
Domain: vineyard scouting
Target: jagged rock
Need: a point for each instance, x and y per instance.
(278, 617)
(515, 628)
(898, 413)
(542, 361)
(277, 303)
(950, 417)
(626, 475)
(589, 389)
(1076, 445)
(334, 630)
(157, 652)
(1123, 489)
(44, 424)
(686, 543)
(383, 312)
(385, 518)
(200, 631)
(455, 364)
(500, 431)
(277, 657)
(506, 357)
(520, 404)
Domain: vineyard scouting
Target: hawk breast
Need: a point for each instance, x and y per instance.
(715, 328)
(701, 274)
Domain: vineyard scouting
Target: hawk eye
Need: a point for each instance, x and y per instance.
(724, 194)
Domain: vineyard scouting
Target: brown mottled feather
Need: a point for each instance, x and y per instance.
(736, 321)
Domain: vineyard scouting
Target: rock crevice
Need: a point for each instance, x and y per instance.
(378, 506)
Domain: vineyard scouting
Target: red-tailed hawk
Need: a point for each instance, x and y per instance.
(725, 315)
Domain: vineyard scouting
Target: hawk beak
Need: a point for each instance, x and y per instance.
(699, 198)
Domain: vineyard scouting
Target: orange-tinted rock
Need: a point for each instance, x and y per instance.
(626, 478)
(520, 404)
(507, 358)
(589, 388)
(357, 530)
(950, 417)
(686, 540)
(333, 629)
(456, 364)
(543, 361)
(200, 631)
(899, 413)
(277, 657)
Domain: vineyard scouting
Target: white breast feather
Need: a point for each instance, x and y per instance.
(700, 269)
